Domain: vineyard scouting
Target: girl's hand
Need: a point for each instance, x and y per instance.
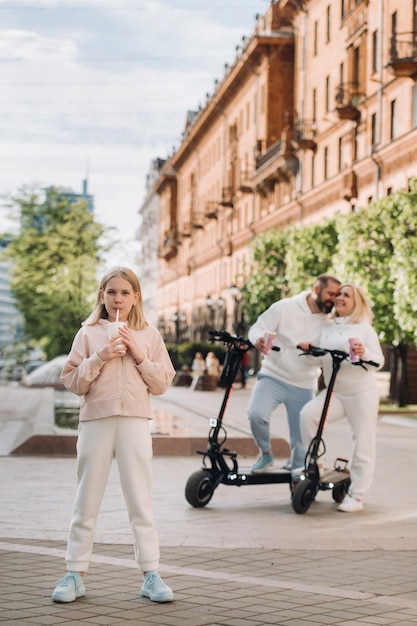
(132, 347)
(112, 348)
(304, 345)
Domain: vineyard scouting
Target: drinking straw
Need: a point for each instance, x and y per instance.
(117, 315)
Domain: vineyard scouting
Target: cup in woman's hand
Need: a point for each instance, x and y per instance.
(353, 342)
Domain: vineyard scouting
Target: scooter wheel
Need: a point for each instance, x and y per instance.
(303, 495)
(199, 488)
(340, 490)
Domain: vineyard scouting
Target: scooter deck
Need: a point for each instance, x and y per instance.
(247, 478)
(334, 476)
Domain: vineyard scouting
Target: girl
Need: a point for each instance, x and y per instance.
(355, 393)
(115, 376)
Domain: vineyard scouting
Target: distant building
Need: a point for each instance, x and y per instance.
(147, 236)
(11, 323)
(72, 197)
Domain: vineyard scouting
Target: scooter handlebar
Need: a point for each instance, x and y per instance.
(316, 351)
(223, 335)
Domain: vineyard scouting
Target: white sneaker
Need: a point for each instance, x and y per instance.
(155, 589)
(69, 588)
(350, 505)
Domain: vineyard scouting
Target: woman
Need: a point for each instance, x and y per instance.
(355, 394)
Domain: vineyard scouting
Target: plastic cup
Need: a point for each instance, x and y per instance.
(113, 331)
(353, 341)
(268, 339)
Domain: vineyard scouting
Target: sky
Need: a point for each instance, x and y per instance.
(97, 89)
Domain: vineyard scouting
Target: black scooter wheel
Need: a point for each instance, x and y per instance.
(303, 495)
(340, 490)
(199, 488)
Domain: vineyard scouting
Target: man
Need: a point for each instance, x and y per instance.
(285, 377)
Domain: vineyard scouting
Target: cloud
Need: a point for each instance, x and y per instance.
(25, 45)
(104, 86)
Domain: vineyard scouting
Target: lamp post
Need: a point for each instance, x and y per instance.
(179, 320)
(237, 296)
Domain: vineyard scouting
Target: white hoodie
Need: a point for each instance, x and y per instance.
(293, 322)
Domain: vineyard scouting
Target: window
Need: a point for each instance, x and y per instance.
(374, 138)
(375, 51)
(327, 95)
(340, 154)
(313, 170)
(314, 104)
(263, 99)
(394, 23)
(316, 35)
(393, 120)
(326, 163)
(328, 24)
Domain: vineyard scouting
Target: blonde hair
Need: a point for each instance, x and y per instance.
(362, 311)
(136, 318)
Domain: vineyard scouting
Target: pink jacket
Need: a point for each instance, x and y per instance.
(118, 386)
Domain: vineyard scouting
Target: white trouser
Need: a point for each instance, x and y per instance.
(129, 439)
(361, 411)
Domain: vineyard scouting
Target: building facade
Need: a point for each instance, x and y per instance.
(316, 116)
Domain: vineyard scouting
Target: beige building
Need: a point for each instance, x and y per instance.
(316, 116)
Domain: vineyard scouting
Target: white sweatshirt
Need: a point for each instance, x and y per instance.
(351, 378)
(293, 322)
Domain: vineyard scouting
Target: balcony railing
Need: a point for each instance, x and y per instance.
(272, 151)
(304, 134)
(347, 100)
(403, 54)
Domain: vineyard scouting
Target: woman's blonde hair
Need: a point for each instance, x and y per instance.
(362, 311)
(136, 318)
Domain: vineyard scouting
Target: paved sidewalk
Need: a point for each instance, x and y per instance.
(246, 559)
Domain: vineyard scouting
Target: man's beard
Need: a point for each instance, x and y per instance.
(324, 306)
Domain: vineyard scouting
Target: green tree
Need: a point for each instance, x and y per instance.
(266, 278)
(404, 263)
(378, 249)
(311, 250)
(54, 262)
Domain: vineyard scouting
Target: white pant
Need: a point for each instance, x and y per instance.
(361, 410)
(129, 439)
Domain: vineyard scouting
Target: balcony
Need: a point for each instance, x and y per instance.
(168, 249)
(198, 220)
(403, 55)
(211, 210)
(186, 230)
(347, 99)
(245, 185)
(350, 186)
(227, 197)
(304, 134)
(273, 151)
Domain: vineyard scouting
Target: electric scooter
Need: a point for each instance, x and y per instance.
(310, 481)
(220, 465)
